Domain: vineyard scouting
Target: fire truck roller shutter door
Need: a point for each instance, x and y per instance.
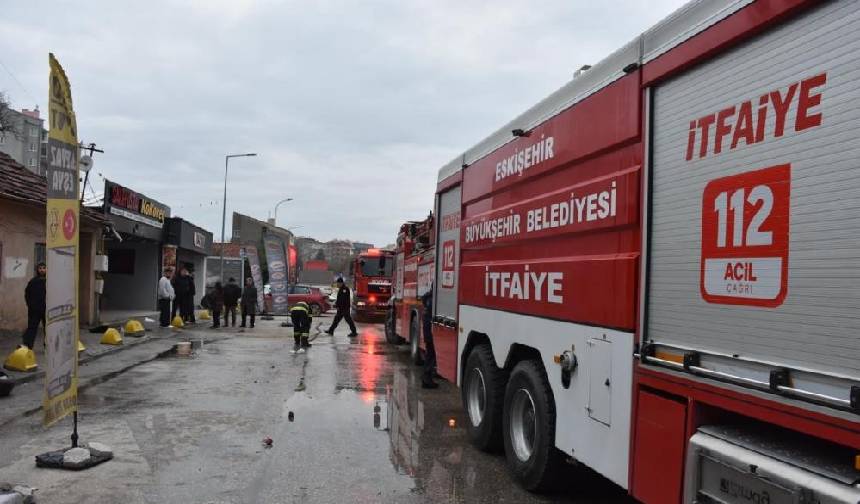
(447, 254)
(755, 204)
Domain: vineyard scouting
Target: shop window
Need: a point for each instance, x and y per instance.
(121, 262)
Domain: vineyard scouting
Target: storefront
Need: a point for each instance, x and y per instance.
(186, 246)
(134, 250)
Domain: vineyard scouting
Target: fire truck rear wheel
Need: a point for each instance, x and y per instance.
(414, 341)
(483, 394)
(391, 329)
(529, 427)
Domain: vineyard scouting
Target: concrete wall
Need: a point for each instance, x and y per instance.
(137, 291)
(21, 227)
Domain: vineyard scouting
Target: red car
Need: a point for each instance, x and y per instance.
(313, 296)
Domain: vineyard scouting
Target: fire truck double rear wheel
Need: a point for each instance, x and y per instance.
(529, 427)
(483, 396)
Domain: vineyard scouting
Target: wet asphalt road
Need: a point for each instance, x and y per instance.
(189, 430)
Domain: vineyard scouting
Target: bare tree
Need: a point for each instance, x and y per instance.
(8, 122)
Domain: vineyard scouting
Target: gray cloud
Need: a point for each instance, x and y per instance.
(352, 106)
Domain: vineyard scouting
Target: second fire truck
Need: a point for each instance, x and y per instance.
(654, 271)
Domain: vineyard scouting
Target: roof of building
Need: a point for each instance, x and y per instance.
(20, 184)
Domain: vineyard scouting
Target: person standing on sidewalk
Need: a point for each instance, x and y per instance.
(166, 294)
(34, 295)
(188, 302)
(232, 293)
(427, 379)
(180, 288)
(249, 302)
(216, 304)
(343, 305)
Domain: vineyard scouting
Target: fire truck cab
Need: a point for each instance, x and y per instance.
(371, 273)
(654, 271)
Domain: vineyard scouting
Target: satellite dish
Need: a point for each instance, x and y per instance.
(85, 163)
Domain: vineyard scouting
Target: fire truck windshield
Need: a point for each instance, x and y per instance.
(376, 266)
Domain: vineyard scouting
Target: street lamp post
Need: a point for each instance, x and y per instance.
(224, 206)
(285, 200)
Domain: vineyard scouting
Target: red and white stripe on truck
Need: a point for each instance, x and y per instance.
(655, 269)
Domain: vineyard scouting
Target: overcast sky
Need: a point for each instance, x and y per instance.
(353, 106)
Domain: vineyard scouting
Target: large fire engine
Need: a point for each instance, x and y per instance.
(371, 274)
(413, 276)
(655, 270)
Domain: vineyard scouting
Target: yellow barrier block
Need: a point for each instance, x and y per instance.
(177, 322)
(81, 346)
(111, 337)
(21, 359)
(204, 315)
(134, 328)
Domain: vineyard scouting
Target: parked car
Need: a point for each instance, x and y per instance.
(313, 296)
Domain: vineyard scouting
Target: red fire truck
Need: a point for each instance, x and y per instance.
(413, 276)
(655, 270)
(371, 274)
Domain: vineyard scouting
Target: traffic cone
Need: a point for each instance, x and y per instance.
(134, 328)
(81, 346)
(111, 337)
(21, 359)
(177, 322)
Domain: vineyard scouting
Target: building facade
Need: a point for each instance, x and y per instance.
(27, 143)
(22, 246)
(186, 246)
(134, 249)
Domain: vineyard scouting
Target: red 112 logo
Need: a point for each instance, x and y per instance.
(448, 251)
(745, 232)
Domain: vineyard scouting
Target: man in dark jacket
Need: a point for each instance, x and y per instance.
(232, 293)
(427, 380)
(215, 303)
(180, 289)
(34, 295)
(188, 301)
(249, 301)
(343, 305)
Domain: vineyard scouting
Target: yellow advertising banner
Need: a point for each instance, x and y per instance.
(61, 230)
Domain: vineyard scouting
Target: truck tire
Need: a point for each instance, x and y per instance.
(316, 310)
(391, 336)
(414, 341)
(529, 427)
(483, 395)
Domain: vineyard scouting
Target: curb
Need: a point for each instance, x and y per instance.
(21, 378)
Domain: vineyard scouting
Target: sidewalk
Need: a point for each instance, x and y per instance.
(94, 349)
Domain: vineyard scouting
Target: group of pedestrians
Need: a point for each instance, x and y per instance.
(176, 294)
(228, 298)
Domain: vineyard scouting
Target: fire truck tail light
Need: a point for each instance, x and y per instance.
(372, 299)
(857, 462)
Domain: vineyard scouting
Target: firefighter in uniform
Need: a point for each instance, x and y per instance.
(300, 314)
(343, 306)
